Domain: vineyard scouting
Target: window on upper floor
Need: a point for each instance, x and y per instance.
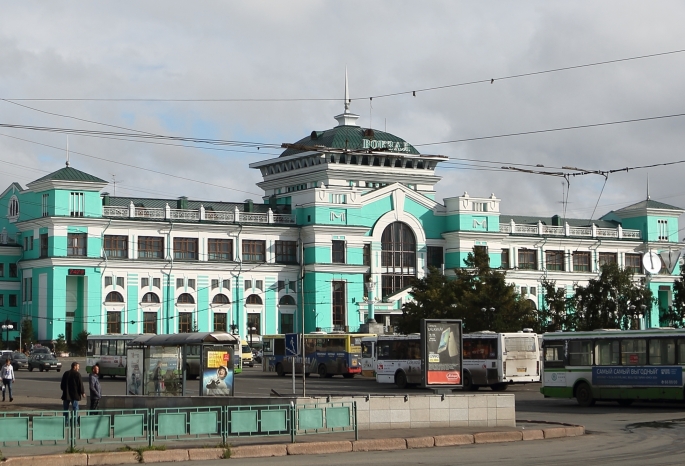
(150, 247)
(156, 282)
(398, 258)
(114, 322)
(287, 300)
(76, 244)
(253, 299)
(254, 251)
(504, 259)
(366, 254)
(44, 205)
(186, 248)
(76, 204)
(2, 270)
(145, 282)
(114, 297)
(186, 298)
(554, 260)
(286, 252)
(191, 283)
(662, 226)
(13, 271)
(434, 257)
(607, 258)
(259, 284)
(116, 246)
(180, 282)
(581, 261)
(13, 208)
(528, 259)
(338, 252)
(248, 284)
(220, 249)
(108, 281)
(13, 300)
(43, 245)
(150, 298)
(120, 282)
(221, 299)
(215, 283)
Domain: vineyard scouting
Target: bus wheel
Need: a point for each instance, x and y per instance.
(322, 371)
(279, 370)
(499, 387)
(468, 384)
(625, 402)
(584, 395)
(348, 376)
(401, 380)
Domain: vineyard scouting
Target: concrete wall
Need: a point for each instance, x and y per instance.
(418, 411)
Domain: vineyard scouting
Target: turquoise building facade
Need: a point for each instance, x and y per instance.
(348, 218)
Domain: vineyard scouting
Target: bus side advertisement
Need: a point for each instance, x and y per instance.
(643, 376)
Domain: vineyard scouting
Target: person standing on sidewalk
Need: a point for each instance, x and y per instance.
(72, 390)
(95, 389)
(7, 374)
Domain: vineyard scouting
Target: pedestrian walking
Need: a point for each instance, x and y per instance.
(95, 389)
(7, 374)
(72, 390)
(158, 378)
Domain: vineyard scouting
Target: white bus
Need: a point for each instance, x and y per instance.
(369, 356)
(109, 351)
(398, 360)
(498, 359)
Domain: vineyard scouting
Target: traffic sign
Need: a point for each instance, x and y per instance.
(291, 346)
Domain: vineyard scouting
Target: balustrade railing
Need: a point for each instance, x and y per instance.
(553, 230)
(193, 215)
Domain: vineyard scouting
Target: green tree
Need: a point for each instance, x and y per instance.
(27, 332)
(557, 312)
(676, 312)
(81, 343)
(478, 294)
(613, 300)
(60, 344)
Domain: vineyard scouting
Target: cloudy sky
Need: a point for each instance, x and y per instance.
(287, 60)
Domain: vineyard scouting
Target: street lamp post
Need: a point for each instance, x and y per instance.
(486, 312)
(370, 288)
(251, 331)
(7, 326)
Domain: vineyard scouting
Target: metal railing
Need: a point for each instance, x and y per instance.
(196, 215)
(146, 426)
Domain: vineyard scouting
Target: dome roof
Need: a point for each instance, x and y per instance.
(352, 137)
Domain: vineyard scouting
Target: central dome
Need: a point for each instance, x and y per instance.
(354, 138)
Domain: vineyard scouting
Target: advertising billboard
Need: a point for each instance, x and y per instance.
(217, 370)
(442, 352)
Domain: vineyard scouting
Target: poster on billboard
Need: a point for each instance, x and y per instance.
(442, 352)
(134, 372)
(217, 371)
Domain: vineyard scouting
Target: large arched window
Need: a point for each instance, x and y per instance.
(398, 258)
(186, 298)
(13, 207)
(253, 299)
(287, 300)
(114, 297)
(150, 298)
(221, 299)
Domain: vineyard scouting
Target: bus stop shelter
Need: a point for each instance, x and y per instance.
(169, 365)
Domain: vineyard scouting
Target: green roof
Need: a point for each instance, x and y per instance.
(649, 204)
(70, 174)
(347, 137)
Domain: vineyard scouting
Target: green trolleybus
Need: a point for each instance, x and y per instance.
(614, 365)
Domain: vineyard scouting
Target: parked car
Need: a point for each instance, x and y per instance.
(44, 362)
(19, 361)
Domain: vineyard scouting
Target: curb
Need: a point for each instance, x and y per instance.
(309, 448)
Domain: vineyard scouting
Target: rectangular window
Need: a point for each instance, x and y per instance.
(76, 204)
(505, 259)
(259, 284)
(607, 258)
(120, 282)
(156, 282)
(220, 249)
(580, 353)
(28, 289)
(185, 322)
(662, 352)
(26, 243)
(339, 305)
(44, 245)
(149, 322)
(116, 246)
(13, 300)
(254, 251)
(108, 281)
(338, 198)
(634, 352)
(286, 252)
(248, 284)
(281, 285)
(226, 284)
(533, 291)
(150, 247)
(215, 284)
(634, 263)
(554, 260)
(338, 252)
(76, 244)
(13, 271)
(528, 259)
(191, 283)
(145, 282)
(607, 353)
(220, 322)
(581, 261)
(366, 255)
(185, 248)
(45, 205)
(180, 282)
(435, 257)
(292, 284)
(2, 300)
(662, 226)
(114, 322)
(287, 323)
(2, 270)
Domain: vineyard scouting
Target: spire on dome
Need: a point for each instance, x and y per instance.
(347, 94)
(347, 118)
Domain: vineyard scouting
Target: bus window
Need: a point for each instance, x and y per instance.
(121, 347)
(104, 347)
(366, 349)
(553, 355)
(524, 344)
(607, 353)
(661, 352)
(480, 348)
(414, 349)
(634, 352)
(309, 345)
(89, 352)
(279, 346)
(580, 353)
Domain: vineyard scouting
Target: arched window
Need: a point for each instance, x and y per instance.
(13, 207)
(398, 258)
(151, 298)
(186, 298)
(114, 297)
(287, 300)
(221, 299)
(253, 299)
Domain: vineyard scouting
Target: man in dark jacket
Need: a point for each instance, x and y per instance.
(94, 384)
(72, 390)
